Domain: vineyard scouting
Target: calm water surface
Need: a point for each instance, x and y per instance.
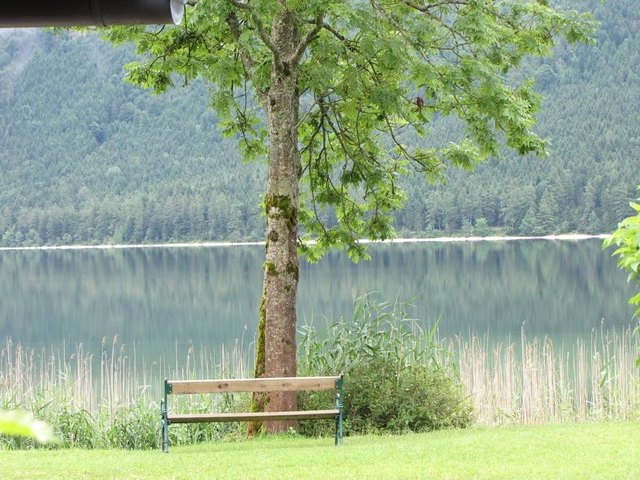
(158, 298)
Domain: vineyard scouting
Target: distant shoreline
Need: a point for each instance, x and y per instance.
(562, 237)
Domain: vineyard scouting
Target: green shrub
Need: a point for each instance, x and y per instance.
(387, 395)
(393, 379)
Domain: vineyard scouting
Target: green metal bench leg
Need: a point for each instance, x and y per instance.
(165, 430)
(339, 394)
(165, 421)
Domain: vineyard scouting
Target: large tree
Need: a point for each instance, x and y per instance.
(337, 97)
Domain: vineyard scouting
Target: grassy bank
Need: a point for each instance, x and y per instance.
(571, 451)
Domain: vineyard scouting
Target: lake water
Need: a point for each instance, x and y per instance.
(158, 298)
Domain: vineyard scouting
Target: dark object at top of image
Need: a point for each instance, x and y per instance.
(73, 13)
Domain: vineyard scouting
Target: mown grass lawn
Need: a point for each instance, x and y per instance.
(567, 451)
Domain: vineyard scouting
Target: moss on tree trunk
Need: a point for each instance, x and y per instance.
(259, 399)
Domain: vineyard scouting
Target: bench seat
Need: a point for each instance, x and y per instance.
(251, 416)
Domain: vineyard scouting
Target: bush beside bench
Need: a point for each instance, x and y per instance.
(251, 385)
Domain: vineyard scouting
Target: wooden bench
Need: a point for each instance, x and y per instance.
(251, 385)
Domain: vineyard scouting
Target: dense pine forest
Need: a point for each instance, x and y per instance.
(86, 158)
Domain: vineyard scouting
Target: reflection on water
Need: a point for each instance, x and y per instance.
(162, 297)
(553, 288)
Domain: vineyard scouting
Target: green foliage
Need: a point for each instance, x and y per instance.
(627, 240)
(378, 329)
(393, 381)
(77, 428)
(386, 395)
(132, 427)
(16, 423)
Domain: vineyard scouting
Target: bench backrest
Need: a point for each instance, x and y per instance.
(280, 384)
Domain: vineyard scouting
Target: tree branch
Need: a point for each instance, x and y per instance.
(247, 61)
(262, 33)
(307, 39)
(430, 6)
(348, 43)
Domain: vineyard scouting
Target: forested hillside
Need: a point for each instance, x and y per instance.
(86, 158)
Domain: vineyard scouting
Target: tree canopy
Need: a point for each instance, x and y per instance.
(373, 75)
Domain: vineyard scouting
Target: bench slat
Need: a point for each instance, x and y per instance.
(282, 384)
(246, 417)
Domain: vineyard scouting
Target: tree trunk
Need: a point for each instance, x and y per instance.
(281, 205)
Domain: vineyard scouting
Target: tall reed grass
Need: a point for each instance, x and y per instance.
(113, 400)
(535, 381)
(121, 379)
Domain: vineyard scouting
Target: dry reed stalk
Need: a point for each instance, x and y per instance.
(539, 383)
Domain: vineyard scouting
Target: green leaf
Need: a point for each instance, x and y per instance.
(23, 424)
